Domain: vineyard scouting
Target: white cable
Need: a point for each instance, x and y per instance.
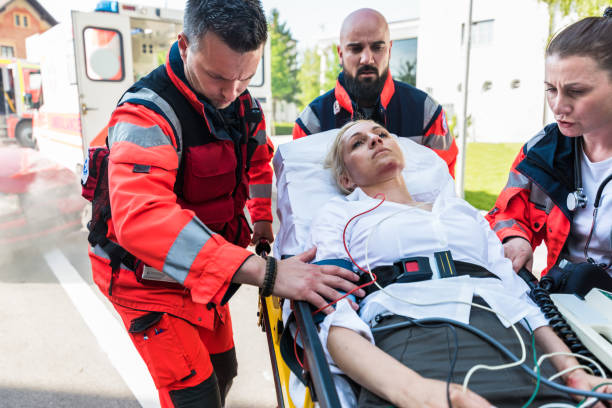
(557, 405)
(476, 367)
(589, 402)
(570, 369)
(578, 356)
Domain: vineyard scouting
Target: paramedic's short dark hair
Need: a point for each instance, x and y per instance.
(241, 24)
(589, 37)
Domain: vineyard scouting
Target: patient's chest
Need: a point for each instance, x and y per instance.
(394, 231)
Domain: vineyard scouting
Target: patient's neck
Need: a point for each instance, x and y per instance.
(394, 190)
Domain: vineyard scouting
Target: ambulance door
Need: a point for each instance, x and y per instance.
(103, 55)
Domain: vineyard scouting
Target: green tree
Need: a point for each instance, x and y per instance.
(284, 67)
(309, 77)
(582, 8)
(313, 78)
(332, 64)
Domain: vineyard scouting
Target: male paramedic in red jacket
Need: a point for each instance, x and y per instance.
(188, 149)
(366, 90)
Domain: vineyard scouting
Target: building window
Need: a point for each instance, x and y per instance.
(7, 51)
(21, 20)
(403, 62)
(482, 33)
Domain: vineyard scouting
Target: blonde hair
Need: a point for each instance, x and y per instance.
(335, 159)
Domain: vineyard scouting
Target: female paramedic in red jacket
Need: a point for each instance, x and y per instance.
(563, 172)
(188, 150)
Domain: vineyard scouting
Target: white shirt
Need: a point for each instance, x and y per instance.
(600, 247)
(451, 225)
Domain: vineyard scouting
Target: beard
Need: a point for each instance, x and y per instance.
(365, 91)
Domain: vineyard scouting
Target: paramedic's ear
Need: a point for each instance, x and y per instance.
(183, 44)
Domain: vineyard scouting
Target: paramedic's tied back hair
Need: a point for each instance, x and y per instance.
(589, 37)
(241, 24)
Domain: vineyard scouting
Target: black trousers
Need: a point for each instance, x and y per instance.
(429, 351)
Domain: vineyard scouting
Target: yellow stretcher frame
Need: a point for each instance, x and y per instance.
(321, 387)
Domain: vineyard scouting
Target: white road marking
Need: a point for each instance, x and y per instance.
(110, 334)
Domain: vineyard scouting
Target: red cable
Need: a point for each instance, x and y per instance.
(355, 263)
(351, 258)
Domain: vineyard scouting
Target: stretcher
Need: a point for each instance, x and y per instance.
(304, 184)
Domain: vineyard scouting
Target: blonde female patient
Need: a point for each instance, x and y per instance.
(425, 366)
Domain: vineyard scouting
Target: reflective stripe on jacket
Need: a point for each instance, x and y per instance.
(402, 109)
(177, 191)
(532, 205)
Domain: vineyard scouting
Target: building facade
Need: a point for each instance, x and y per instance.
(20, 19)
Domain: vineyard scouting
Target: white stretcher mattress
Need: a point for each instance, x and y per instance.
(304, 185)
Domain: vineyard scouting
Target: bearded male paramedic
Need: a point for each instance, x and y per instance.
(188, 150)
(366, 90)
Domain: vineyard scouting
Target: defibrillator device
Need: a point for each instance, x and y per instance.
(577, 301)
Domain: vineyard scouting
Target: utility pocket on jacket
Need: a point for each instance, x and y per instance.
(161, 347)
(210, 171)
(538, 220)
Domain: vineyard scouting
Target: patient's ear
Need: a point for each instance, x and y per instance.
(346, 182)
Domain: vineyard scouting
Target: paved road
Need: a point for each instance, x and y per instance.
(62, 345)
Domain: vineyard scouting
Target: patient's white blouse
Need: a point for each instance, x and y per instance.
(394, 231)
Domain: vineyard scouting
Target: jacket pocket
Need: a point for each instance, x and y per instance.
(210, 171)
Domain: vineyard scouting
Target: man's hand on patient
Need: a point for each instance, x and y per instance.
(519, 251)
(297, 279)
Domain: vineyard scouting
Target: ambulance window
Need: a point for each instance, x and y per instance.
(103, 54)
(258, 78)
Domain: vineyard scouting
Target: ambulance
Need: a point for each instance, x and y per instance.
(87, 64)
(20, 96)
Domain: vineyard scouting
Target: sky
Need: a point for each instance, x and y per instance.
(309, 21)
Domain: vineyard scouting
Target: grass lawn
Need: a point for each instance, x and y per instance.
(486, 171)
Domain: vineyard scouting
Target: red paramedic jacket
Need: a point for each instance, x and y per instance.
(533, 204)
(402, 109)
(177, 193)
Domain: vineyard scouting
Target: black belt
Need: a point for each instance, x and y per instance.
(418, 269)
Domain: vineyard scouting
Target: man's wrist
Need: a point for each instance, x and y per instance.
(251, 272)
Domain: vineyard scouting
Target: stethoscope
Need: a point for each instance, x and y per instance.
(577, 198)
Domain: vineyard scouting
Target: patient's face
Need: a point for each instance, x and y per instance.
(371, 155)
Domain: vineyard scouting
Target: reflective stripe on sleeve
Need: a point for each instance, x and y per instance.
(185, 249)
(507, 224)
(540, 199)
(429, 110)
(517, 180)
(310, 120)
(141, 136)
(260, 136)
(260, 190)
(148, 95)
(438, 142)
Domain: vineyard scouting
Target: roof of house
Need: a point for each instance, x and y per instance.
(44, 14)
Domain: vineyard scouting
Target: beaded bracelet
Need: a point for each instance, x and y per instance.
(270, 277)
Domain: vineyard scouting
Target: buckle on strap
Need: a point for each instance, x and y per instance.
(417, 269)
(405, 270)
